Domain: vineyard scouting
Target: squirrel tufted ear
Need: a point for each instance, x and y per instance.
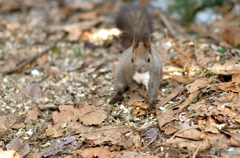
(147, 42)
(135, 40)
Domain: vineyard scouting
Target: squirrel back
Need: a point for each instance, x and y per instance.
(135, 24)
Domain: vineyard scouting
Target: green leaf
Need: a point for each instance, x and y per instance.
(223, 50)
(239, 25)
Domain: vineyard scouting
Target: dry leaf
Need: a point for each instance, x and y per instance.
(62, 146)
(32, 91)
(9, 154)
(139, 112)
(96, 152)
(81, 5)
(32, 115)
(42, 60)
(16, 144)
(52, 132)
(94, 118)
(90, 15)
(18, 126)
(197, 84)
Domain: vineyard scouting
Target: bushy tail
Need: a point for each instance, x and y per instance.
(135, 24)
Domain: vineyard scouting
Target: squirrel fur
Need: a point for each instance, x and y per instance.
(140, 63)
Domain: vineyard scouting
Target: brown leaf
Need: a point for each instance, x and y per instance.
(139, 112)
(16, 144)
(96, 152)
(7, 121)
(42, 60)
(94, 118)
(9, 64)
(226, 86)
(134, 97)
(108, 134)
(197, 84)
(90, 15)
(81, 5)
(62, 146)
(235, 140)
(50, 106)
(190, 133)
(32, 115)
(53, 132)
(191, 145)
(32, 91)
(218, 141)
(9, 154)
(181, 79)
(66, 114)
(75, 30)
(18, 126)
(9, 5)
(228, 37)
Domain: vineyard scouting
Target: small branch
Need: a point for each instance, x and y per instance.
(188, 56)
(24, 63)
(195, 154)
(167, 23)
(149, 142)
(32, 138)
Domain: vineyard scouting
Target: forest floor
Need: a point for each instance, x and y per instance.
(56, 76)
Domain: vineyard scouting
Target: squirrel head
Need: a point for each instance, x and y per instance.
(142, 54)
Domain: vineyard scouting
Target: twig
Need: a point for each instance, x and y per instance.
(34, 57)
(188, 56)
(149, 142)
(175, 92)
(32, 138)
(195, 154)
(167, 23)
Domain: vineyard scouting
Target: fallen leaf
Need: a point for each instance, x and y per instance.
(94, 118)
(16, 144)
(81, 5)
(18, 126)
(62, 146)
(9, 5)
(90, 15)
(52, 132)
(32, 91)
(7, 121)
(9, 154)
(197, 84)
(108, 135)
(96, 152)
(32, 115)
(42, 60)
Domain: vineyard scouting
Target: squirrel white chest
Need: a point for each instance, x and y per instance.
(142, 78)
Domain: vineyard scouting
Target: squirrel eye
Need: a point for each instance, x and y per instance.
(148, 59)
(132, 60)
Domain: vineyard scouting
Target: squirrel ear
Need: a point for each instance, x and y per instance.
(147, 43)
(135, 40)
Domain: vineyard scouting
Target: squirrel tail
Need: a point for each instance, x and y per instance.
(135, 24)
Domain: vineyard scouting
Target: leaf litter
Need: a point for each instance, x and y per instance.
(57, 66)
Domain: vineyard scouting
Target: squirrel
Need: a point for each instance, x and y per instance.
(140, 63)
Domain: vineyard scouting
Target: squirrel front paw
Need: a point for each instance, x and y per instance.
(152, 107)
(117, 98)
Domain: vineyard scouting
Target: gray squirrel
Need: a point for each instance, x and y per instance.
(140, 63)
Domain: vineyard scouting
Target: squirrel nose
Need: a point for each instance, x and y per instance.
(139, 70)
